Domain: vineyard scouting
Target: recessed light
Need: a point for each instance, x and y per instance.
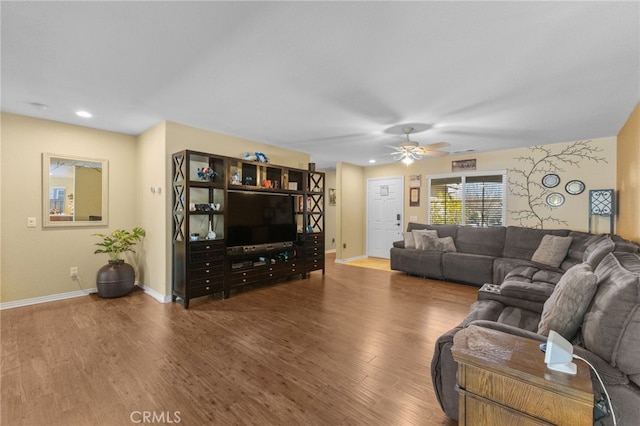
(84, 114)
(372, 161)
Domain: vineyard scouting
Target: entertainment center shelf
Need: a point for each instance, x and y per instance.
(240, 223)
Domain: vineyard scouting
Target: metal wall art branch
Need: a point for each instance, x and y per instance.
(526, 182)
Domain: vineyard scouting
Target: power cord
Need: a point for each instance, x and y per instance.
(77, 279)
(613, 414)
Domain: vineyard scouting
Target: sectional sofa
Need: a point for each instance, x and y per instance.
(589, 293)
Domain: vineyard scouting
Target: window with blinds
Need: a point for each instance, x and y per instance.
(477, 200)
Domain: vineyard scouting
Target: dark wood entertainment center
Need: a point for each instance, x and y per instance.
(203, 263)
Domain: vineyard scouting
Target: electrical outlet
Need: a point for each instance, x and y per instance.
(31, 222)
(73, 272)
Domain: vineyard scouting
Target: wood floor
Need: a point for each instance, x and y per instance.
(352, 347)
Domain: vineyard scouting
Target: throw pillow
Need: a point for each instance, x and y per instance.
(565, 308)
(409, 240)
(417, 233)
(438, 244)
(552, 250)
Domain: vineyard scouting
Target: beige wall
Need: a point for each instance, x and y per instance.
(153, 210)
(628, 225)
(136, 164)
(350, 211)
(36, 261)
(595, 175)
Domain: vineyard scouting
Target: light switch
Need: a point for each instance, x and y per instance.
(413, 218)
(31, 222)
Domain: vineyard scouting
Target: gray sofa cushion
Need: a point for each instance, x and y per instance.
(527, 290)
(611, 327)
(504, 265)
(594, 254)
(424, 263)
(443, 230)
(623, 245)
(564, 310)
(486, 241)
(580, 243)
(535, 274)
(467, 268)
(518, 302)
(552, 250)
(521, 243)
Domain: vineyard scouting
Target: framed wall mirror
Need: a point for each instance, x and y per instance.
(74, 191)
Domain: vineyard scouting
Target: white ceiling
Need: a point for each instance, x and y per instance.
(330, 78)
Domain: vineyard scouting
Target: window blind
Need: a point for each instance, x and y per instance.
(467, 200)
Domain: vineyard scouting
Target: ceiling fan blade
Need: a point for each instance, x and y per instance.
(431, 153)
(437, 145)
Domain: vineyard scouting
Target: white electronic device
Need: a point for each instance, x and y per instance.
(558, 354)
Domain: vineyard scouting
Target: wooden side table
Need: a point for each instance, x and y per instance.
(503, 380)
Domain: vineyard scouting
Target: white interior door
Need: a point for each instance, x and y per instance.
(385, 210)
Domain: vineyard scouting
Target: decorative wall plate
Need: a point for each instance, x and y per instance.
(551, 180)
(574, 187)
(555, 199)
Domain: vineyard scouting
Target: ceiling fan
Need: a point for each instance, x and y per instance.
(409, 151)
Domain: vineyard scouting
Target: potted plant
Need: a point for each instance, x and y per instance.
(117, 278)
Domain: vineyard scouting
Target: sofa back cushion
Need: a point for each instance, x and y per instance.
(611, 327)
(443, 230)
(594, 254)
(580, 242)
(487, 241)
(521, 243)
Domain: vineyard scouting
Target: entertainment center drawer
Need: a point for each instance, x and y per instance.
(203, 256)
(282, 270)
(214, 281)
(210, 263)
(208, 289)
(208, 272)
(245, 276)
(313, 264)
(315, 250)
(315, 238)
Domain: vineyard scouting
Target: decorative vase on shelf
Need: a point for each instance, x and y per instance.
(211, 235)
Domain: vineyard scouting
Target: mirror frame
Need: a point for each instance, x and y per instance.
(46, 186)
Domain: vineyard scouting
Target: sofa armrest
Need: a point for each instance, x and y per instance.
(398, 244)
(509, 329)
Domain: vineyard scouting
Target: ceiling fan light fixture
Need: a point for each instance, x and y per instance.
(407, 160)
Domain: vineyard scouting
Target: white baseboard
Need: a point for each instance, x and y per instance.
(162, 298)
(351, 259)
(330, 251)
(45, 299)
(70, 295)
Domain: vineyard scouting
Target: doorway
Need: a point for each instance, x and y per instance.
(385, 213)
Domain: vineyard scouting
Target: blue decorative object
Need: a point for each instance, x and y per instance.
(256, 156)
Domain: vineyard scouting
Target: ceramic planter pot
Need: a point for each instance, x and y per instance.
(115, 279)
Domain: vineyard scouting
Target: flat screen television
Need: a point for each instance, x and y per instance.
(259, 218)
